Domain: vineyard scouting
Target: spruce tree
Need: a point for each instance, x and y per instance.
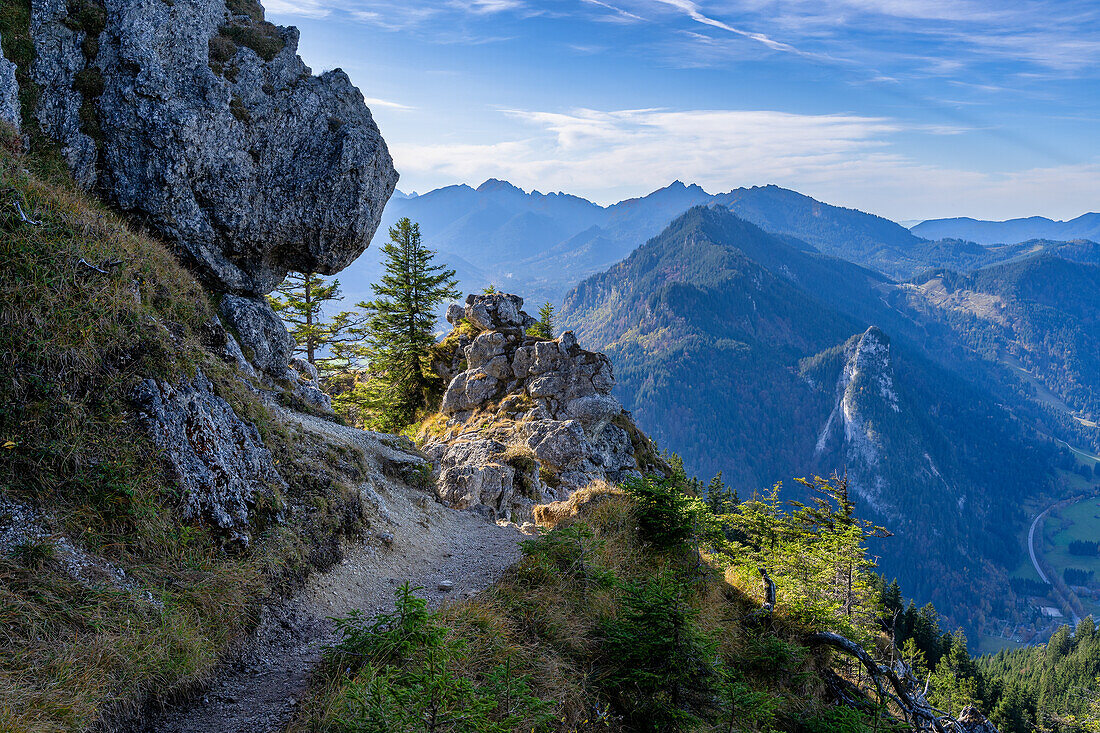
(300, 301)
(400, 325)
(544, 327)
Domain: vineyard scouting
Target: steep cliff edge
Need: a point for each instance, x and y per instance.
(524, 420)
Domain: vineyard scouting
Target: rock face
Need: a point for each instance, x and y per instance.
(865, 416)
(971, 720)
(221, 464)
(525, 419)
(262, 336)
(9, 93)
(204, 122)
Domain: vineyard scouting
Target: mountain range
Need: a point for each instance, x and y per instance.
(542, 244)
(1086, 226)
(747, 355)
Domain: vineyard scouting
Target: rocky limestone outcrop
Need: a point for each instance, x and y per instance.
(971, 720)
(222, 466)
(198, 116)
(524, 419)
(9, 93)
(866, 399)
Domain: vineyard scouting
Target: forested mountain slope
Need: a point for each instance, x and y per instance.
(755, 370)
(1040, 317)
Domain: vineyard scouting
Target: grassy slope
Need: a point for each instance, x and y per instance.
(73, 343)
(546, 619)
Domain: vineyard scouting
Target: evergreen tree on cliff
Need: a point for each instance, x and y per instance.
(400, 325)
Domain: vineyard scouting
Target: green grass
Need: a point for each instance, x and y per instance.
(993, 644)
(1078, 521)
(73, 344)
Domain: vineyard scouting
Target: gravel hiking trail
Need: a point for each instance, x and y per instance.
(414, 539)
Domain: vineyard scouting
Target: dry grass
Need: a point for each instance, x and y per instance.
(73, 344)
(552, 514)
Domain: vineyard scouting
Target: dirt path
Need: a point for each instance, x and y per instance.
(428, 544)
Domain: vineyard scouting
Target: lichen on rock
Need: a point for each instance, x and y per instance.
(527, 419)
(205, 123)
(9, 93)
(220, 462)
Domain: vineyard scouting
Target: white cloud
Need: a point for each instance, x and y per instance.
(844, 159)
(617, 14)
(301, 8)
(375, 102)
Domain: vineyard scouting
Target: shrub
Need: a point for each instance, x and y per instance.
(409, 679)
(664, 512)
(658, 667)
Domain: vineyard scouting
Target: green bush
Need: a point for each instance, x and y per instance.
(664, 512)
(658, 662)
(410, 678)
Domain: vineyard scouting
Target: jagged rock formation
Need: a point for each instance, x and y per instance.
(524, 419)
(221, 464)
(9, 93)
(866, 378)
(971, 720)
(199, 116)
(873, 435)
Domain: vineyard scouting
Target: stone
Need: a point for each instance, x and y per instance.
(213, 131)
(222, 466)
(446, 586)
(307, 384)
(455, 314)
(58, 60)
(496, 312)
(484, 348)
(9, 93)
(544, 409)
(469, 390)
(472, 473)
(559, 443)
(593, 411)
(262, 336)
(971, 720)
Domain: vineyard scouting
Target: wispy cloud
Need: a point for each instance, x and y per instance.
(388, 104)
(616, 14)
(692, 10)
(846, 159)
(644, 148)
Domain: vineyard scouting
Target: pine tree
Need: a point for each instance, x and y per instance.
(300, 301)
(544, 327)
(400, 325)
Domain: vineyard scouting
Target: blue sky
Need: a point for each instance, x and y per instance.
(906, 108)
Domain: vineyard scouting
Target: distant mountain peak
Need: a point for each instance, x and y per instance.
(679, 185)
(495, 184)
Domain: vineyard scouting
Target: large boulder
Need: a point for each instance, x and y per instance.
(971, 720)
(223, 468)
(9, 93)
(204, 122)
(497, 312)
